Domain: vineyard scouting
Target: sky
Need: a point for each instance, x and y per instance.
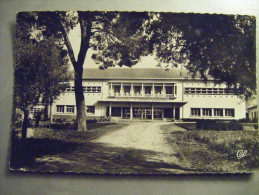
(75, 38)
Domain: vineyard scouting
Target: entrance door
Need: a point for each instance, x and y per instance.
(142, 113)
(147, 113)
(177, 113)
(158, 112)
(126, 112)
(107, 111)
(168, 113)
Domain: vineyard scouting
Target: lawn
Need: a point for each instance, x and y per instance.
(47, 141)
(215, 151)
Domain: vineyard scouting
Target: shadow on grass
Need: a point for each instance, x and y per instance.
(45, 155)
(23, 153)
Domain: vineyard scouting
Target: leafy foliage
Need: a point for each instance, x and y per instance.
(217, 46)
(41, 69)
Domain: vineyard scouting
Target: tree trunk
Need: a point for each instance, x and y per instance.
(46, 112)
(80, 101)
(50, 114)
(25, 123)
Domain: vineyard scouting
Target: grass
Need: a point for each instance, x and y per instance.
(47, 141)
(95, 130)
(215, 151)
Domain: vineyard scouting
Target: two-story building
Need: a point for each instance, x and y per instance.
(153, 94)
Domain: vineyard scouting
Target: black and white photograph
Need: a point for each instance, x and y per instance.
(142, 93)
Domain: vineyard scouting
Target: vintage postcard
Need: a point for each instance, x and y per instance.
(134, 93)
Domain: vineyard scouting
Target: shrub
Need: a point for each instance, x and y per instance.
(218, 125)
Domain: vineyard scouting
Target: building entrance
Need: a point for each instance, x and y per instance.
(142, 113)
(146, 113)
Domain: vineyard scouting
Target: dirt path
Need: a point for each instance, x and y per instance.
(143, 136)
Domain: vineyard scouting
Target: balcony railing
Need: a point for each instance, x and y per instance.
(140, 95)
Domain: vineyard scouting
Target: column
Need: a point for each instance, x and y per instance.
(180, 112)
(131, 90)
(163, 114)
(163, 89)
(110, 109)
(201, 111)
(121, 112)
(142, 90)
(122, 90)
(173, 111)
(152, 111)
(153, 90)
(131, 111)
(111, 92)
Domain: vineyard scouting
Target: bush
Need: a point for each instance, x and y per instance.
(218, 125)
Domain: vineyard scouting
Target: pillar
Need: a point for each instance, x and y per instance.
(163, 89)
(122, 90)
(163, 114)
(142, 90)
(111, 92)
(131, 111)
(131, 90)
(153, 90)
(152, 111)
(110, 109)
(180, 112)
(121, 112)
(174, 111)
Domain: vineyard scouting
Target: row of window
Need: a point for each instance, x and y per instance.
(71, 109)
(36, 110)
(88, 89)
(215, 111)
(209, 91)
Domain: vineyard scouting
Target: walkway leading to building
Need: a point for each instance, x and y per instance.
(143, 136)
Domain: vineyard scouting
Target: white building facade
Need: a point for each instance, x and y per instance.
(151, 94)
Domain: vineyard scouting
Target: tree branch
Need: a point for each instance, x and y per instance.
(68, 44)
(86, 27)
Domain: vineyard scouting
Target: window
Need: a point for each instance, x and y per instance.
(169, 89)
(117, 89)
(195, 111)
(60, 109)
(218, 112)
(229, 112)
(90, 109)
(70, 109)
(116, 111)
(93, 89)
(210, 91)
(70, 89)
(126, 89)
(206, 112)
(36, 110)
(148, 89)
(198, 90)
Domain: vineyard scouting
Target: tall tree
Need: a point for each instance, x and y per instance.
(113, 35)
(217, 46)
(41, 71)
